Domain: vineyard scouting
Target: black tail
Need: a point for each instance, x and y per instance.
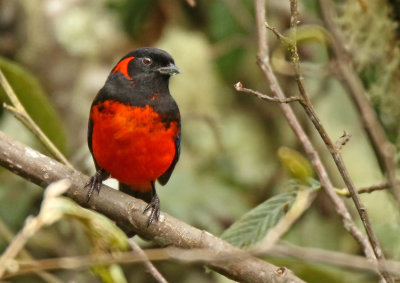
(145, 196)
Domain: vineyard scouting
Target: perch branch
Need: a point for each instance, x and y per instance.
(128, 212)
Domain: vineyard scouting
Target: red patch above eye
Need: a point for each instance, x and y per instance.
(122, 67)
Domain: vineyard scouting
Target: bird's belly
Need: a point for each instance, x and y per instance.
(132, 143)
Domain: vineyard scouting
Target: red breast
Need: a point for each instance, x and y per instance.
(132, 143)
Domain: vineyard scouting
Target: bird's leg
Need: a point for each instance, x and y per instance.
(154, 204)
(96, 180)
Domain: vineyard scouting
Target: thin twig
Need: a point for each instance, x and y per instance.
(147, 263)
(17, 244)
(21, 114)
(25, 255)
(239, 87)
(330, 257)
(202, 255)
(384, 150)
(280, 36)
(264, 63)
(379, 187)
(33, 224)
(309, 109)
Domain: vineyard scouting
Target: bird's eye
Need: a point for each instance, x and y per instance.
(146, 61)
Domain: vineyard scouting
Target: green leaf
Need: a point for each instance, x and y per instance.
(298, 166)
(33, 98)
(254, 225)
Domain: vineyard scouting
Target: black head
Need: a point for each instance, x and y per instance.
(146, 63)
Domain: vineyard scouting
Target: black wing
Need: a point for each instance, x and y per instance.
(163, 179)
(90, 132)
(89, 136)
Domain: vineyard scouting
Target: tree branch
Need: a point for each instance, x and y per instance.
(307, 254)
(330, 257)
(378, 187)
(128, 211)
(239, 87)
(309, 109)
(264, 63)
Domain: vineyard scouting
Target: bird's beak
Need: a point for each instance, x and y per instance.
(171, 70)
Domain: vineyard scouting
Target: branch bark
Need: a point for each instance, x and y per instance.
(304, 254)
(128, 211)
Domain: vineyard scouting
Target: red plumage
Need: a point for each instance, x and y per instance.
(132, 143)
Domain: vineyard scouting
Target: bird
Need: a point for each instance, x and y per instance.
(134, 129)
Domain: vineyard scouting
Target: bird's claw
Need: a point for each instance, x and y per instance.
(94, 183)
(154, 205)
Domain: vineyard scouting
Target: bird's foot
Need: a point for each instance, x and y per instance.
(95, 182)
(154, 205)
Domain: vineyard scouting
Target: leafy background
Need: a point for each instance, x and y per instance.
(57, 55)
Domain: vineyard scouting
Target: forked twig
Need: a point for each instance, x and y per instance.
(379, 187)
(239, 87)
(309, 109)
(264, 62)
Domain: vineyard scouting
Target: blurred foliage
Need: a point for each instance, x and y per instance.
(372, 40)
(28, 90)
(134, 14)
(104, 237)
(232, 144)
